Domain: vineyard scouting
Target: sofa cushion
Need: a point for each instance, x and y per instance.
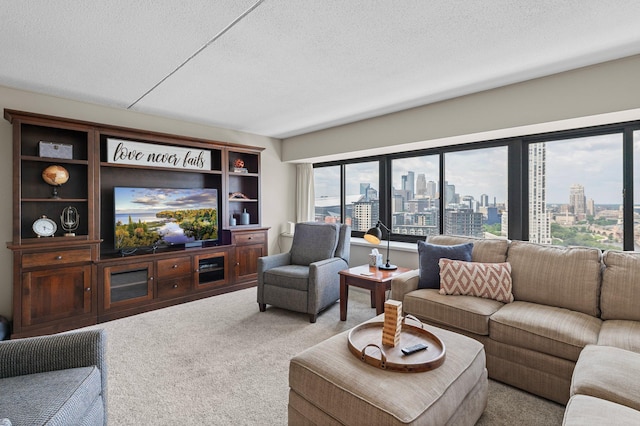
(430, 254)
(487, 280)
(59, 397)
(486, 250)
(313, 242)
(620, 296)
(288, 276)
(584, 410)
(566, 277)
(621, 334)
(466, 313)
(608, 373)
(547, 329)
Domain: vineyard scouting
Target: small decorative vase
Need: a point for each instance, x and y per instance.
(244, 218)
(232, 221)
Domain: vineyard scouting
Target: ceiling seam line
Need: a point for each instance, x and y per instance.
(197, 52)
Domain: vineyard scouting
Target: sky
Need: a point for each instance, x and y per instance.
(594, 162)
(131, 200)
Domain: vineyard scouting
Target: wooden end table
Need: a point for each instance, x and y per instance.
(378, 281)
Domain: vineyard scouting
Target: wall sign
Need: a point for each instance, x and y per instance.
(121, 151)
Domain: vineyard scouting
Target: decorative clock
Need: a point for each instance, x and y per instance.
(44, 227)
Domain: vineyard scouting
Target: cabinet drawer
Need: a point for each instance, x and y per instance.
(248, 238)
(175, 287)
(175, 267)
(53, 258)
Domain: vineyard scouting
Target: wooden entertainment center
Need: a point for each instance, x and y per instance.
(64, 282)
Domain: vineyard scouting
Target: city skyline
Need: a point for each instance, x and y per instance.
(593, 162)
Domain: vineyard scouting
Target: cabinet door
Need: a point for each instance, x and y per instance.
(127, 284)
(211, 270)
(247, 261)
(55, 294)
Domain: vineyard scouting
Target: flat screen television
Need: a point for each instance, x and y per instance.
(155, 217)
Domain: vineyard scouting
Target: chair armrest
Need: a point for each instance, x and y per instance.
(54, 352)
(268, 262)
(404, 283)
(328, 266)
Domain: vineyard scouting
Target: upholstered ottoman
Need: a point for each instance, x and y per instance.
(330, 386)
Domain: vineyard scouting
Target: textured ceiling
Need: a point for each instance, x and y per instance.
(282, 68)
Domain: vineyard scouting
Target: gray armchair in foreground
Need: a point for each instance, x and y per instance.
(306, 278)
(54, 380)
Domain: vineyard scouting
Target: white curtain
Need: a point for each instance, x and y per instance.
(305, 194)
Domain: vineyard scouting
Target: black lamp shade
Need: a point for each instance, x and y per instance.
(374, 235)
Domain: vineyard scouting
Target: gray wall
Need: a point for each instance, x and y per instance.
(278, 181)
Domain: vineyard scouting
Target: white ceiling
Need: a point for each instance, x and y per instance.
(286, 67)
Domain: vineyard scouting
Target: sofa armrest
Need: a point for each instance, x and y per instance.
(55, 352)
(404, 283)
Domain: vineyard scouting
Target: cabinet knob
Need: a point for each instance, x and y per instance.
(87, 289)
(151, 278)
(249, 238)
(58, 257)
(197, 270)
(237, 263)
(175, 286)
(174, 266)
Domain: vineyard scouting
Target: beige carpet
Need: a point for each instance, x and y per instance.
(219, 361)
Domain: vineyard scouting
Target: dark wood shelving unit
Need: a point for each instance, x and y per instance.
(65, 282)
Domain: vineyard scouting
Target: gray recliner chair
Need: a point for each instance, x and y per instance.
(306, 278)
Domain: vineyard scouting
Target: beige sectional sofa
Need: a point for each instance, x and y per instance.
(565, 300)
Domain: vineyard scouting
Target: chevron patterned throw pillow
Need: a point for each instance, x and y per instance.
(488, 280)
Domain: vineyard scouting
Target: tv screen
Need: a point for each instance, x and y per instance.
(152, 217)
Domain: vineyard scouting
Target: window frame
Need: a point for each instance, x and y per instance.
(517, 176)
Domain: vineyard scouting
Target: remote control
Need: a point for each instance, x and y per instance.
(413, 349)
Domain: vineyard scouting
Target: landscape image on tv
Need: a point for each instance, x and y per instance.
(152, 217)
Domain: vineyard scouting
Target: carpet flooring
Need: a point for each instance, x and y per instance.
(219, 361)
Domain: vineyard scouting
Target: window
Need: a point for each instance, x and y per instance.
(415, 193)
(636, 190)
(562, 188)
(326, 181)
(575, 192)
(362, 201)
(475, 192)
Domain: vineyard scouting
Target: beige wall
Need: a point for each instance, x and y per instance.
(278, 183)
(599, 94)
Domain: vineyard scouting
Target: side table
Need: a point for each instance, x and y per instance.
(377, 281)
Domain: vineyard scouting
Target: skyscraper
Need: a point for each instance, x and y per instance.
(432, 189)
(577, 200)
(539, 218)
(421, 186)
(408, 184)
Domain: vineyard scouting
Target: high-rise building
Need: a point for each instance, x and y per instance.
(365, 215)
(450, 194)
(421, 186)
(539, 218)
(484, 200)
(591, 207)
(432, 189)
(408, 184)
(577, 200)
(463, 222)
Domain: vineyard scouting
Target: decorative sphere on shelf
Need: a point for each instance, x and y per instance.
(55, 175)
(238, 164)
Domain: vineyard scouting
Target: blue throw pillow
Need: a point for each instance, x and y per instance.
(430, 254)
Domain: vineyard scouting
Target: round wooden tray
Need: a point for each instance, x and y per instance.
(365, 342)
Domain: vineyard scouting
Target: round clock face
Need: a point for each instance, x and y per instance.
(44, 227)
